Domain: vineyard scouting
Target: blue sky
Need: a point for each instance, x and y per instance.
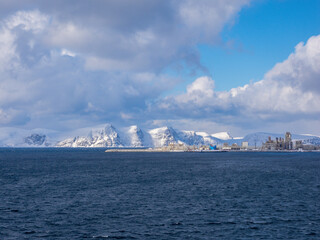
(210, 65)
(263, 34)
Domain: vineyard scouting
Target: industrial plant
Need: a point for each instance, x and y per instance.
(287, 143)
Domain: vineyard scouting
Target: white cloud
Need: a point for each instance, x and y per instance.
(13, 116)
(291, 90)
(97, 63)
(28, 21)
(301, 69)
(126, 35)
(68, 35)
(199, 92)
(52, 90)
(114, 72)
(8, 57)
(292, 86)
(66, 52)
(208, 17)
(144, 37)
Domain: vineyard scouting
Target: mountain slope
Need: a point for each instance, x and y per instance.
(16, 137)
(163, 136)
(108, 136)
(222, 135)
(105, 137)
(133, 136)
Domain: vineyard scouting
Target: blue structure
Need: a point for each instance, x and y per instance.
(213, 147)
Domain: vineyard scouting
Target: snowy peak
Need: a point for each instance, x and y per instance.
(134, 128)
(108, 136)
(208, 139)
(104, 131)
(166, 135)
(16, 137)
(191, 138)
(163, 136)
(98, 137)
(36, 140)
(222, 135)
(75, 142)
(135, 136)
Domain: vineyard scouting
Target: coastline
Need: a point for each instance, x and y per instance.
(206, 151)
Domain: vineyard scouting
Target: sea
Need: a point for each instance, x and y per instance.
(61, 193)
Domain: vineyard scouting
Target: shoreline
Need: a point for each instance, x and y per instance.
(206, 151)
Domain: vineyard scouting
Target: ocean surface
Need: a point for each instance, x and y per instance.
(89, 194)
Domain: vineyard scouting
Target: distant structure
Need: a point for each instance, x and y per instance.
(226, 147)
(287, 141)
(244, 145)
(213, 147)
(298, 145)
(279, 144)
(175, 147)
(235, 147)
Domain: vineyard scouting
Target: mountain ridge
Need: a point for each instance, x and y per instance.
(107, 135)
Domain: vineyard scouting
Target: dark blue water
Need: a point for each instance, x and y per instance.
(81, 193)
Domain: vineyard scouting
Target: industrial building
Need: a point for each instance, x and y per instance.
(279, 143)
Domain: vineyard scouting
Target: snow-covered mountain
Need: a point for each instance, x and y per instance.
(108, 136)
(191, 138)
(15, 137)
(209, 139)
(163, 136)
(222, 135)
(313, 141)
(36, 140)
(134, 137)
(103, 137)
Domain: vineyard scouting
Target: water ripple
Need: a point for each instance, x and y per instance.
(87, 194)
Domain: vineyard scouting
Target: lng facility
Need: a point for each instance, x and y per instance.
(278, 144)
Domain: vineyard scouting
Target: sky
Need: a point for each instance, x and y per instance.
(240, 66)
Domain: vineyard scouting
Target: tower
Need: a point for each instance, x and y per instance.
(288, 142)
(288, 137)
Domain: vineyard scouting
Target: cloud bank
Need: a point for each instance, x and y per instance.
(290, 90)
(72, 64)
